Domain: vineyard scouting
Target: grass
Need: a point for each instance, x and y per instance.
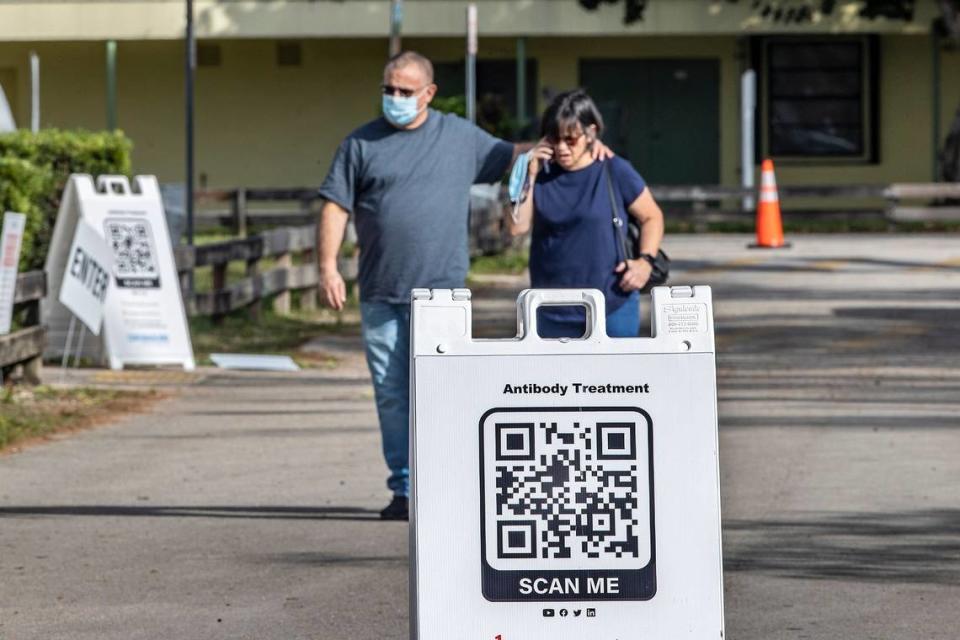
(271, 333)
(35, 412)
(510, 262)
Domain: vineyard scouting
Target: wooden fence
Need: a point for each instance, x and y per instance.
(277, 262)
(706, 203)
(25, 346)
(247, 208)
(281, 261)
(894, 202)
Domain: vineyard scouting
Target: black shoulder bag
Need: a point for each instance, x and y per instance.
(629, 241)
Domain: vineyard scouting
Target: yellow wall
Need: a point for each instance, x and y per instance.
(263, 125)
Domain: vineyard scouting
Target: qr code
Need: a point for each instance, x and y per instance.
(566, 488)
(134, 253)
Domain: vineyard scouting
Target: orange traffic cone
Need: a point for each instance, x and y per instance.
(769, 224)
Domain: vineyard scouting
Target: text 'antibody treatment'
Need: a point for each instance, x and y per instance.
(575, 387)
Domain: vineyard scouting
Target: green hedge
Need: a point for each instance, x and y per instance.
(23, 186)
(34, 169)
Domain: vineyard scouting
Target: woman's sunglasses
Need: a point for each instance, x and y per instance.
(570, 141)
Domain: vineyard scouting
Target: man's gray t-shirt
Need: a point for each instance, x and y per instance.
(409, 192)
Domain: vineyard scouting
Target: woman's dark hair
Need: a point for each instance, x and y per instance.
(566, 111)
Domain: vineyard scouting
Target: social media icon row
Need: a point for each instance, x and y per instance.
(550, 613)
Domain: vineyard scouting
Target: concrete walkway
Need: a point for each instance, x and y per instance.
(245, 506)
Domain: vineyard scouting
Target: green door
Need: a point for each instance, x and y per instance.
(661, 114)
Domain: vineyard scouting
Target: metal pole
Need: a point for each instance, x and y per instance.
(521, 82)
(748, 97)
(471, 93)
(79, 350)
(396, 20)
(111, 85)
(935, 40)
(191, 68)
(66, 347)
(34, 92)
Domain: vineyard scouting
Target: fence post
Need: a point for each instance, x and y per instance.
(32, 368)
(308, 297)
(282, 303)
(219, 284)
(240, 212)
(251, 273)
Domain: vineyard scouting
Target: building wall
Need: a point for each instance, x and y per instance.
(67, 20)
(259, 124)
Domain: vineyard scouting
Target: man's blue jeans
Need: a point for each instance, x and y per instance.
(386, 337)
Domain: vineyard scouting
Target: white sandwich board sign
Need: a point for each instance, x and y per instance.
(11, 240)
(86, 278)
(144, 321)
(565, 489)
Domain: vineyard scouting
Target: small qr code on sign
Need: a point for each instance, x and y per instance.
(566, 489)
(134, 253)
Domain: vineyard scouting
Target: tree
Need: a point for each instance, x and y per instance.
(805, 11)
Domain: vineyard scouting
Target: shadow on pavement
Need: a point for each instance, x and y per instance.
(311, 432)
(200, 511)
(322, 559)
(910, 546)
(271, 412)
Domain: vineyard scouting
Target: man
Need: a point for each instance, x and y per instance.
(406, 179)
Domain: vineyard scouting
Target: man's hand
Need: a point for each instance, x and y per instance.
(600, 151)
(333, 289)
(634, 274)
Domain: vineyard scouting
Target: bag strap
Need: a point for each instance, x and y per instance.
(621, 236)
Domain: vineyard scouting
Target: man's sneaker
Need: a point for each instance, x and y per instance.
(396, 510)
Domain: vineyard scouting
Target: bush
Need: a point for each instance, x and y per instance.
(37, 165)
(23, 186)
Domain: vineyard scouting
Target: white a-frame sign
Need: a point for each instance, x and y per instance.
(565, 489)
(144, 321)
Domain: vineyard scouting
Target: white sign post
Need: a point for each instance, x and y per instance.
(11, 239)
(565, 489)
(144, 321)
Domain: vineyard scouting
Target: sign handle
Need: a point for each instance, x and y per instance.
(532, 299)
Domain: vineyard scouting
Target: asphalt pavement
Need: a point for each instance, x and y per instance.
(245, 506)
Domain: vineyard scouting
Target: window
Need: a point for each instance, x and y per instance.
(819, 99)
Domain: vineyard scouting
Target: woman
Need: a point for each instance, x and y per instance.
(575, 243)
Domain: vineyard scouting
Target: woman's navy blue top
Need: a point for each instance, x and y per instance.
(574, 243)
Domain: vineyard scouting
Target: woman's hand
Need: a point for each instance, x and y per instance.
(634, 274)
(541, 152)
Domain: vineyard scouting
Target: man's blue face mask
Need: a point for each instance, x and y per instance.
(518, 177)
(400, 111)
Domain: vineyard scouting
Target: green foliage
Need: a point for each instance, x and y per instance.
(34, 167)
(22, 188)
(492, 113)
(451, 104)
